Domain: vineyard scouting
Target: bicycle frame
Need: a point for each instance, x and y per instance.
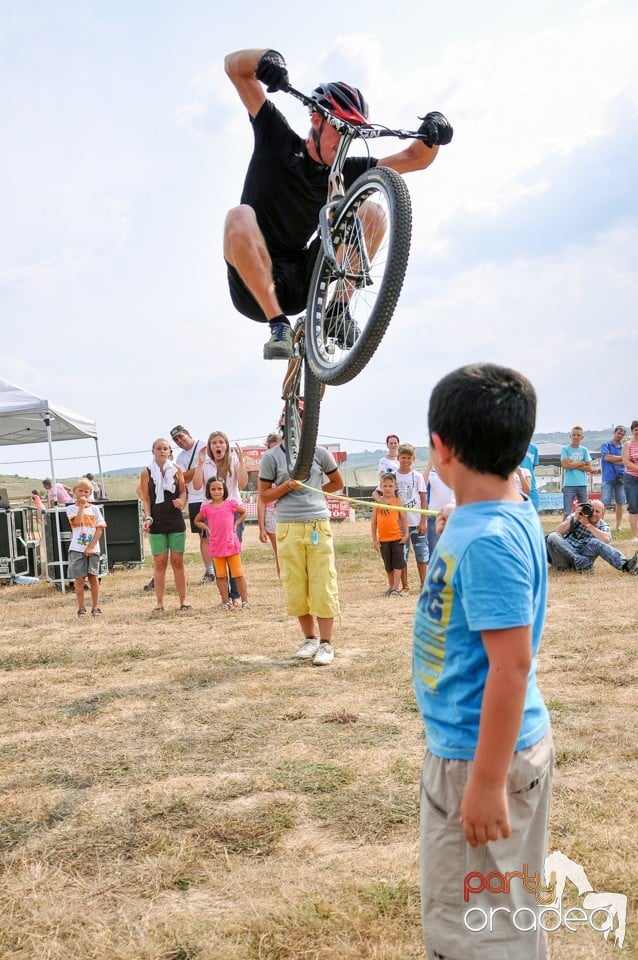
(344, 257)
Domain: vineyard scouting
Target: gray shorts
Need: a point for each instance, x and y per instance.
(453, 909)
(270, 521)
(83, 565)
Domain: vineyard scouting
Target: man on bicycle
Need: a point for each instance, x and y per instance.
(266, 237)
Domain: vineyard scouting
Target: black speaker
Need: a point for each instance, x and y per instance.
(51, 538)
(20, 522)
(5, 534)
(13, 547)
(33, 557)
(124, 539)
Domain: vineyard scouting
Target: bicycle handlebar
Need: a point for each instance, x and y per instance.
(366, 132)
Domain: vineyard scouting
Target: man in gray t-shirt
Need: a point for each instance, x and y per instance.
(305, 547)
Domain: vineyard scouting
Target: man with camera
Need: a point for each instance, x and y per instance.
(583, 536)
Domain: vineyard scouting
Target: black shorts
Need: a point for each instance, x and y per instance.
(193, 510)
(292, 282)
(393, 555)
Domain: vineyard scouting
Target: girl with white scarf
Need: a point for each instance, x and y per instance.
(163, 495)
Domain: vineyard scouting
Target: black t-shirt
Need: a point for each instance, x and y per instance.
(166, 517)
(285, 187)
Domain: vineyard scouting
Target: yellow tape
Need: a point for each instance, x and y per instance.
(369, 503)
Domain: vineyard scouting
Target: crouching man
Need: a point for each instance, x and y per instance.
(582, 537)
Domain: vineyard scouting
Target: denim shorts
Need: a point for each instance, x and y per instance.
(571, 491)
(631, 489)
(420, 546)
(614, 490)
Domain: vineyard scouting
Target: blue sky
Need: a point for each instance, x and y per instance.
(124, 145)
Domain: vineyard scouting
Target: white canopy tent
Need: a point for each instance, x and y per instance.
(27, 418)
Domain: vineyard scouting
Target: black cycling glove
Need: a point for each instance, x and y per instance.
(272, 71)
(435, 129)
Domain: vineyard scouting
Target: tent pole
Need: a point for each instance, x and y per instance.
(58, 532)
(99, 467)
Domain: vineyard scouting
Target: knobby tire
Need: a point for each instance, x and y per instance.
(300, 427)
(372, 293)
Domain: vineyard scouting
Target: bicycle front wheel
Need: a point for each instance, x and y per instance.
(353, 294)
(302, 400)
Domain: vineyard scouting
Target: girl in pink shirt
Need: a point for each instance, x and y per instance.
(630, 461)
(220, 517)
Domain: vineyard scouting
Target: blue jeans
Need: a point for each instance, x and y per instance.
(233, 590)
(569, 493)
(565, 555)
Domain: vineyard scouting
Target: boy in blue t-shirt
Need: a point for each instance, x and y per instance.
(575, 460)
(486, 781)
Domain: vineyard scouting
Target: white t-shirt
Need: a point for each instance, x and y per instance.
(388, 465)
(410, 486)
(517, 480)
(440, 493)
(187, 460)
(83, 533)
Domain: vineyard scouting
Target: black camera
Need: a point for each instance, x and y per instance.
(587, 510)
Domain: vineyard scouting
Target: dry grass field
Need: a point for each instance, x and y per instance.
(179, 788)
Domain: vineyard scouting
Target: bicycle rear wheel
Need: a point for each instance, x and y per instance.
(302, 399)
(351, 301)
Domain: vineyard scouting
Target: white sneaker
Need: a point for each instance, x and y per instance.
(324, 655)
(307, 649)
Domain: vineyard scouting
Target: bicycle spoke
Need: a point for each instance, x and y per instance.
(351, 303)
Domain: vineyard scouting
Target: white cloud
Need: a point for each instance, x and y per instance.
(119, 166)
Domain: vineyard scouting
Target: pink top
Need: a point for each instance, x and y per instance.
(62, 496)
(222, 539)
(633, 456)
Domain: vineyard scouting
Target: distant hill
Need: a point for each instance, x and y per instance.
(359, 468)
(593, 438)
(124, 472)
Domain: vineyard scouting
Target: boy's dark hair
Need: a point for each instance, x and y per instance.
(486, 414)
(216, 480)
(388, 476)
